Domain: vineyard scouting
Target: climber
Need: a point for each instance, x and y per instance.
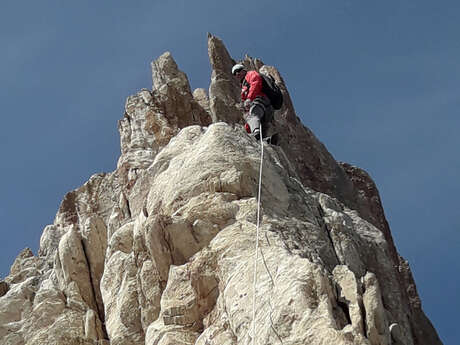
(255, 101)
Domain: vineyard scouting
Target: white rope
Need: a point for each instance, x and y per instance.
(257, 242)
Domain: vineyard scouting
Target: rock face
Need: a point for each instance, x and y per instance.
(161, 251)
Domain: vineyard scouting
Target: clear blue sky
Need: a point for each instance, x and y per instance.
(377, 81)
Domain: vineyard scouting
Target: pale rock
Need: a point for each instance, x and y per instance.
(150, 285)
(72, 270)
(344, 239)
(201, 97)
(91, 325)
(124, 207)
(224, 94)
(160, 334)
(172, 88)
(137, 195)
(152, 119)
(120, 297)
(150, 293)
(138, 145)
(121, 213)
(121, 240)
(376, 322)
(157, 246)
(191, 294)
(94, 197)
(22, 261)
(216, 336)
(350, 293)
(165, 71)
(161, 251)
(67, 328)
(377, 257)
(13, 339)
(25, 266)
(94, 240)
(17, 303)
(179, 305)
(49, 241)
(293, 295)
(115, 222)
(49, 304)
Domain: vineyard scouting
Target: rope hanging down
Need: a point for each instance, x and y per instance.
(257, 242)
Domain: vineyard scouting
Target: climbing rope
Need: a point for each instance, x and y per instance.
(254, 289)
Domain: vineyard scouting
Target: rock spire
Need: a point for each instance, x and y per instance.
(160, 251)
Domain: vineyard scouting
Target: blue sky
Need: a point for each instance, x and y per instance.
(378, 82)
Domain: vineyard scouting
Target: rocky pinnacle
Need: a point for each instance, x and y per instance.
(161, 250)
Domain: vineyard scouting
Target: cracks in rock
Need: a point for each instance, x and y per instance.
(127, 117)
(342, 312)
(363, 312)
(346, 311)
(128, 208)
(328, 232)
(144, 211)
(100, 313)
(363, 315)
(272, 326)
(266, 267)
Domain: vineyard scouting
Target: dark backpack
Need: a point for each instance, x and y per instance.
(272, 90)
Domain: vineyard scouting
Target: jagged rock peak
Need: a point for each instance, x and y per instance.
(166, 71)
(161, 250)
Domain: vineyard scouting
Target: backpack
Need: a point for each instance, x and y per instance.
(272, 90)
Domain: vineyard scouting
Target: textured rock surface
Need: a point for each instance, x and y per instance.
(161, 251)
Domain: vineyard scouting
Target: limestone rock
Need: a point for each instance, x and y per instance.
(369, 202)
(376, 322)
(224, 94)
(96, 196)
(172, 89)
(350, 293)
(138, 145)
(22, 261)
(25, 266)
(162, 250)
(120, 296)
(202, 98)
(152, 118)
(72, 270)
(49, 240)
(94, 240)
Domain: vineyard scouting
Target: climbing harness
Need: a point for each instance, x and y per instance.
(257, 241)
